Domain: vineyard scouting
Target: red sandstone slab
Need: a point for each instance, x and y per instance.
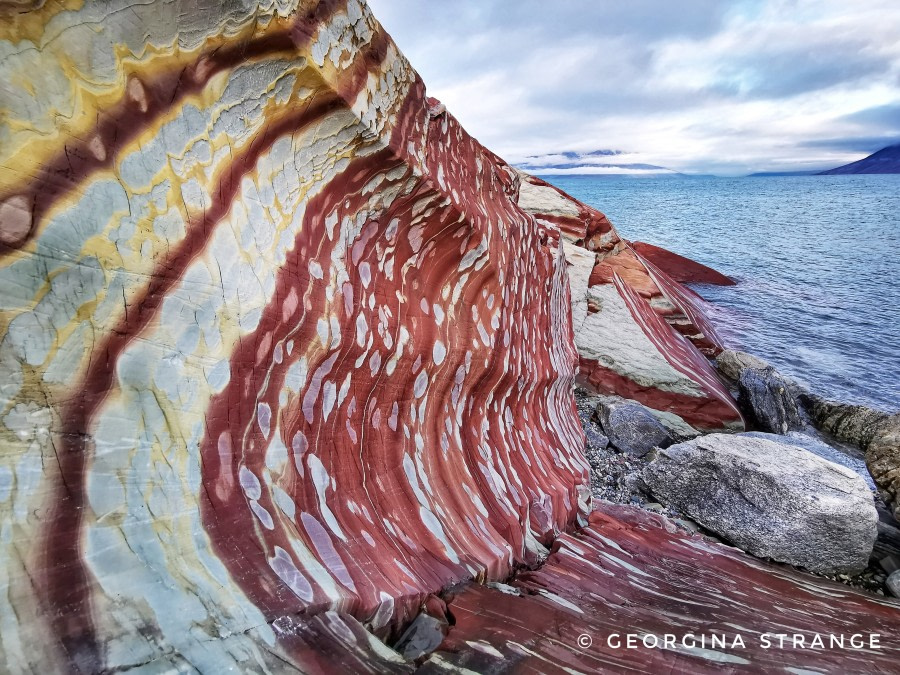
(631, 571)
(681, 269)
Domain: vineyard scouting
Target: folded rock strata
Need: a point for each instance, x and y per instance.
(281, 353)
(638, 331)
(275, 339)
(631, 571)
(681, 269)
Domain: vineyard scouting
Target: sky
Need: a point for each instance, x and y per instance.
(697, 86)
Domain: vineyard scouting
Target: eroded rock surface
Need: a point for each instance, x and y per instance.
(883, 458)
(773, 500)
(638, 331)
(875, 432)
(275, 340)
(634, 572)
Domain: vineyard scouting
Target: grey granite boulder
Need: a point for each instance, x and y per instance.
(820, 448)
(631, 428)
(765, 398)
(893, 583)
(773, 500)
(875, 432)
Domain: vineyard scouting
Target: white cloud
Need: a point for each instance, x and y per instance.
(698, 86)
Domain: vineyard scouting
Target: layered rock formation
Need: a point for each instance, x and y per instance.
(282, 357)
(639, 332)
(632, 573)
(681, 269)
(275, 339)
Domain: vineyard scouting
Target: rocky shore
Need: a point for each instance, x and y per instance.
(288, 367)
(780, 481)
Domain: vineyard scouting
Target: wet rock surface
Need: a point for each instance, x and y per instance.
(875, 432)
(731, 362)
(765, 400)
(855, 424)
(771, 499)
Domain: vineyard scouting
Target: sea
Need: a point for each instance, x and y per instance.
(816, 260)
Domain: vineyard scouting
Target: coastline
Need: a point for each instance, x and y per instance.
(294, 372)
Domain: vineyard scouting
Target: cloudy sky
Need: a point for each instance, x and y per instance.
(700, 86)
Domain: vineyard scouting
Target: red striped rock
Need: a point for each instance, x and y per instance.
(276, 343)
(640, 333)
(681, 269)
(633, 573)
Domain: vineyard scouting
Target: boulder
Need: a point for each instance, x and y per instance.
(893, 583)
(586, 404)
(765, 399)
(731, 363)
(820, 448)
(631, 428)
(424, 635)
(873, 431)
(849, 423)
(773, 500)
(883, 458)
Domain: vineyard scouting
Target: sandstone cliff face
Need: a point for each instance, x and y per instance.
(274, 339)
(640, 334)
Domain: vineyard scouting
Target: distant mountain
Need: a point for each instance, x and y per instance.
(596, 162)
(886, 160)
(769, 174)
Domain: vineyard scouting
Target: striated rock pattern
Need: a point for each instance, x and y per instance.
(638, 331)
(631, 571)
(681, 269)
(275, 340)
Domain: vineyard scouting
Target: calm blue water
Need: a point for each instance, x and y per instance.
(817, 260)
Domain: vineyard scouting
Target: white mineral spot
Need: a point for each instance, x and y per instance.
(250, 483)
(438, 352)
(421, 384)
(264, 418)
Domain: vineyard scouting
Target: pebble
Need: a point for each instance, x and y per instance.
(893, 583)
